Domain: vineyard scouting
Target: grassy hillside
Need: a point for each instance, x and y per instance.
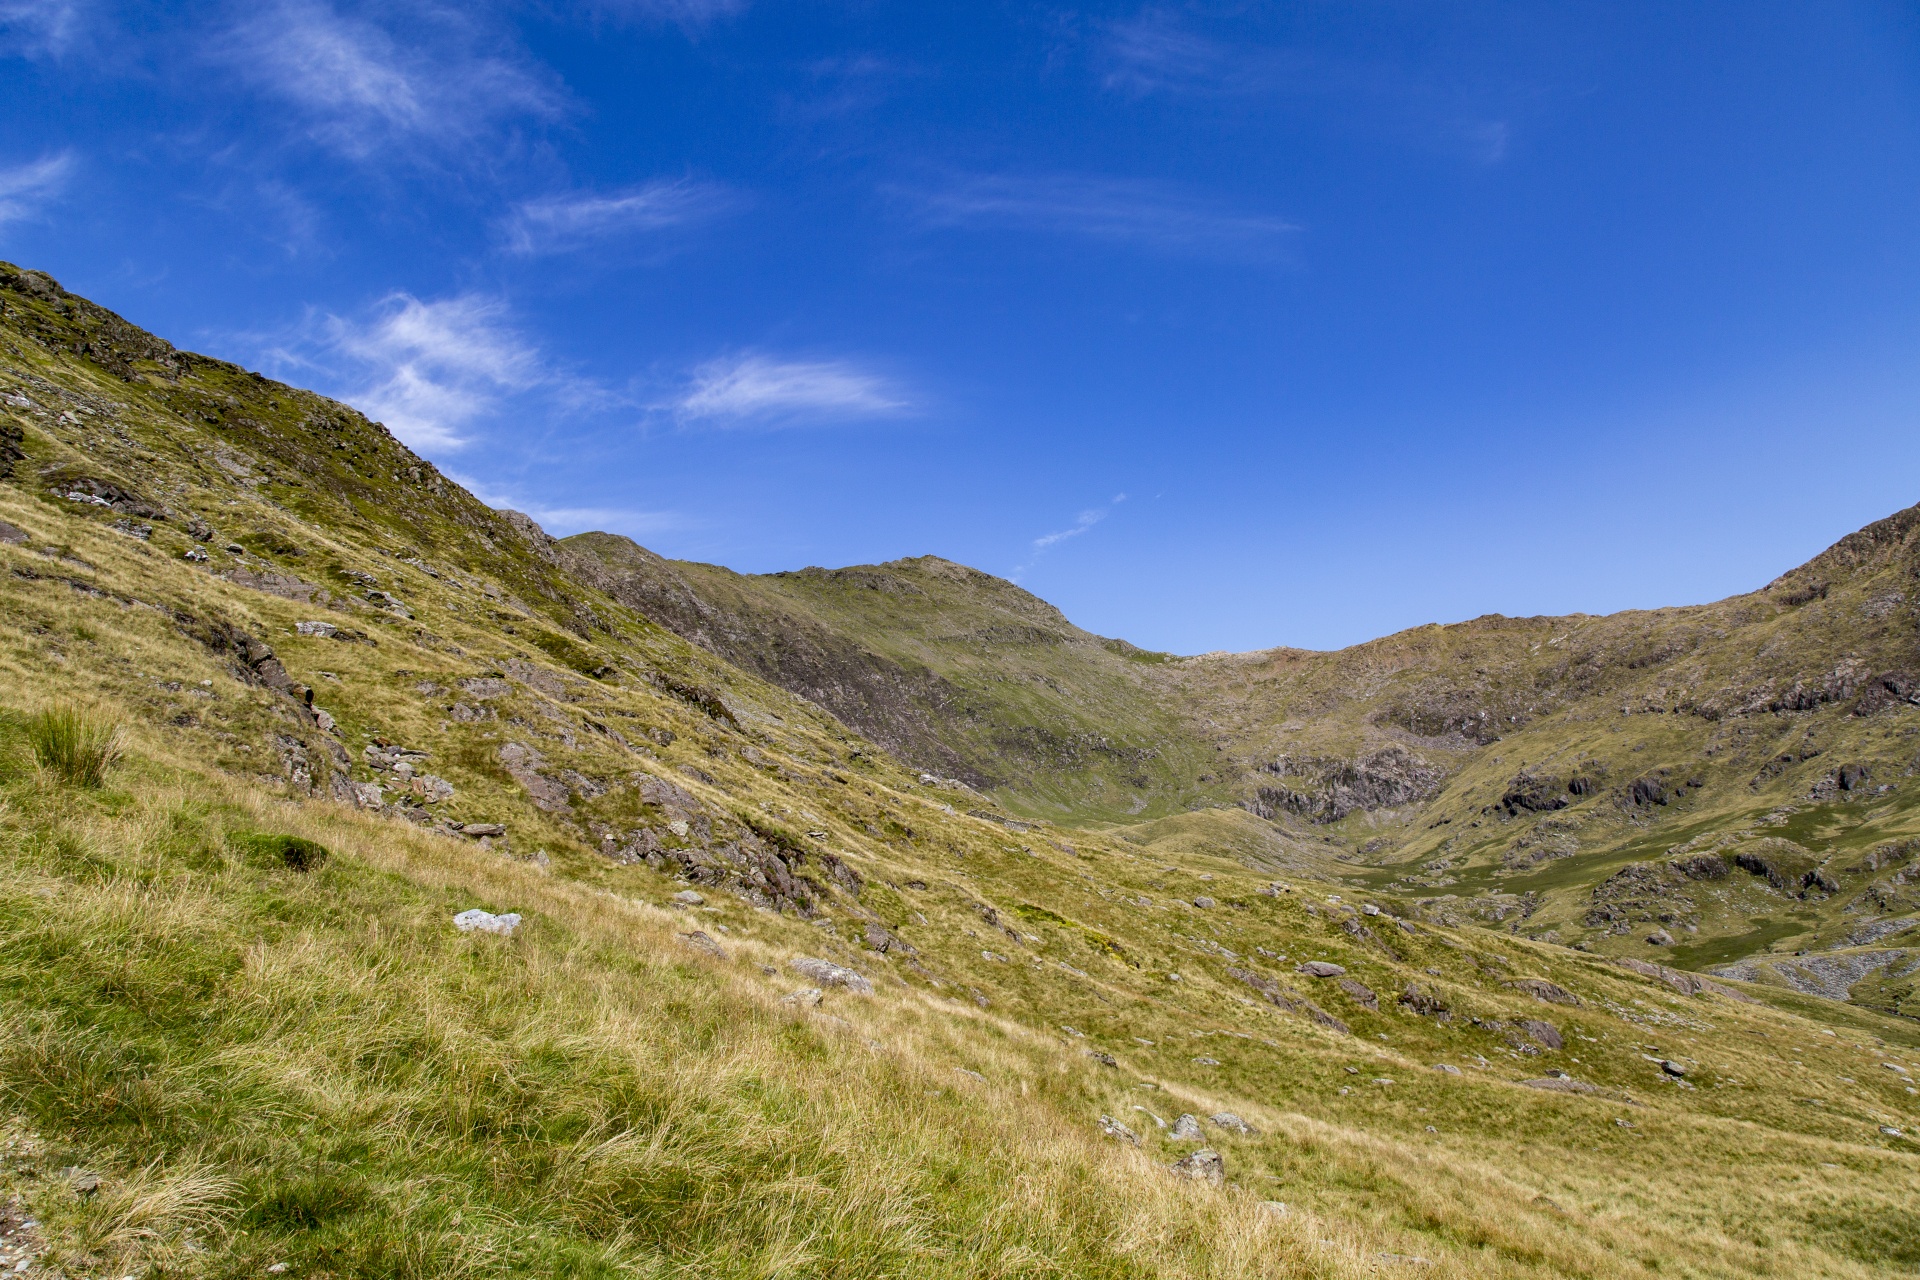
(958, 672)
(224, 1051)
(1545, 775)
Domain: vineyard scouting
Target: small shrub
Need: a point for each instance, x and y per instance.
(76, 745)
(292, 852)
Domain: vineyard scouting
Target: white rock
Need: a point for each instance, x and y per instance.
(478, 921)
(829, 974)
(690, 898)
(1186, 1129)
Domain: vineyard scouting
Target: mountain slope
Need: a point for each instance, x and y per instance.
(1527, 772)
(270, 1059)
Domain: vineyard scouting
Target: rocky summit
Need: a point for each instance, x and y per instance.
(390, 889)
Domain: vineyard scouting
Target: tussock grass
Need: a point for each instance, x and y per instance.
(314, 1066)
(77, 745)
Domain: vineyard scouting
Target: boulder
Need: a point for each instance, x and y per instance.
(1229, 1121)
(1114, 1129)
(1544, 1034)
(805, 997)
(1186, 1129)
(829, 974)
(1549, 992)
(1320, 969)
(1360, 993)
(688, 898)
(1659, 938)
(478, 921)
(1205, 1165)
(700, 941)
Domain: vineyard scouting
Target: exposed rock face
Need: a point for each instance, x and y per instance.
(1280, 998)
(898, 707)
(1541, 989)
(1331, 789)
(1831, 976)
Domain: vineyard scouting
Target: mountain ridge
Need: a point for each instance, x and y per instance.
(779, 1003)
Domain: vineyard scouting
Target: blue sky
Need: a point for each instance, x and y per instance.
(1219, 325)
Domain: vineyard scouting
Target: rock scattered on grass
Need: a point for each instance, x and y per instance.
(829, 974)
(1205, 1165)
(1186, 1129)
(1229, 1121)
(478, 921)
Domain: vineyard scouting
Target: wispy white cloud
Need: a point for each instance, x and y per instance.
(26, 189)
(1158, 51)
(1145, 214)
(1082, 523)
(41, 28)
(424, 77)
(761, 389)
(429, 370)
(561, 223)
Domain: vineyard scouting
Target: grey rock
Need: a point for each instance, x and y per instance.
(688, 898)
(1672, 1068)
(475, 830)
(1360, 993)
(1186, 1129)
(12, 535)
(325, 630)
(886, 942)
(806, 997)
(478, 921)
(700, 941)
(1541, 989)
(1544, 1034)
(1321, 969)
(1205, 904)
(1447, 1067)
(1659, 938)
(1104, 1059)
(1205, 1165)
(1233, 1123)
(829, 974)
(1114, 1129)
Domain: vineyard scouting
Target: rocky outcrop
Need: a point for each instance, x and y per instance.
(1327, 790)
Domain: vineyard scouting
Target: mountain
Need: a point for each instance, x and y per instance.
(1561, 776)
(813, 982)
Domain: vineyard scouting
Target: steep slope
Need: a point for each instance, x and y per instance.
(957, 671)
(1528, 772)
(266, 1058)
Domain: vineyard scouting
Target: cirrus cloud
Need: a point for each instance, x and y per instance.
(1148, 215)
(564, 222)
(755, 388)
(424, 76)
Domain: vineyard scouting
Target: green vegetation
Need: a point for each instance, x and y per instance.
(232, 991)
(78, 746)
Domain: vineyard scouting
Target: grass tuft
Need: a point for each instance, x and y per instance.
(77, 745)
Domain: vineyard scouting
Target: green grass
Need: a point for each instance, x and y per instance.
(76, 745)
(272, 1055)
